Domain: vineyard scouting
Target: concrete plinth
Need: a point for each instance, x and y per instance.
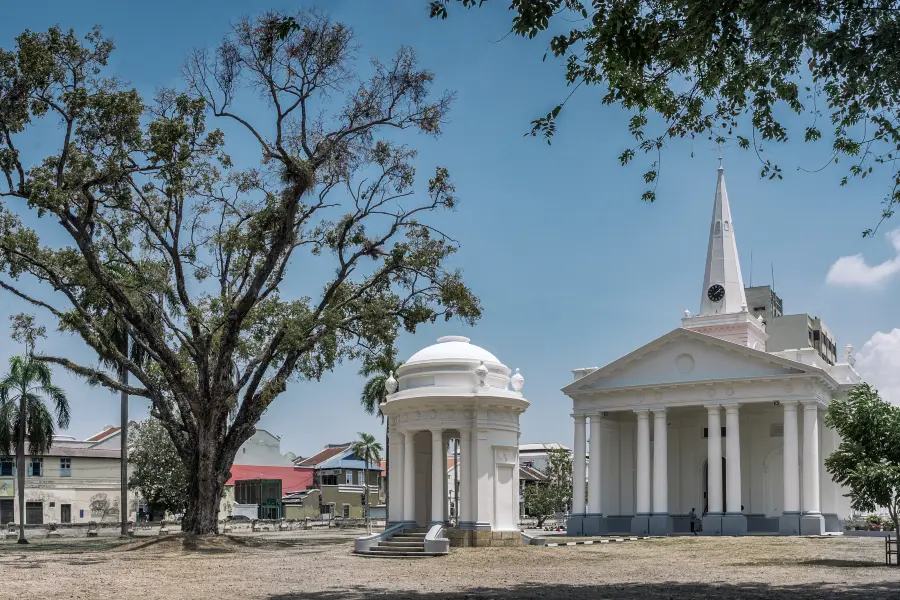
(712, 524)
(575, 525)
(660, 525)
(595, 525)
(789, 524)
(813, 524)
(640, 525)
(832, 522)
(735, 524)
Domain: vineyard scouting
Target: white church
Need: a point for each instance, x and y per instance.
(708, 393)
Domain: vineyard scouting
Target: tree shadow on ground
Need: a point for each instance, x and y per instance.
(624, 591)
(817, 562)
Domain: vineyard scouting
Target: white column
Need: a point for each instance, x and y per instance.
(409, 476)
(578, 467)
(594, 506)
(714, 460)
(810, 458)
(732, 459)
(791, 460)
(484, 476)
(438, 476)
(660, 463)
(395, 476)
(465, 486)
(642, 502)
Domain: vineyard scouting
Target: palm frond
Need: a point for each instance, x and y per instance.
(8, 419)
(39, 425)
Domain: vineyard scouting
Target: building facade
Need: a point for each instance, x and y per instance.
(343, 481)
(708, 393)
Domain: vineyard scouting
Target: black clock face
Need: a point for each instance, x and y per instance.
(715, 292)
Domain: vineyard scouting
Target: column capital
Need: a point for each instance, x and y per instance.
(809, 403)
(732, 409)
(713, 407)
(659, 412)
(579, 418)
(436, 429)
(789, 404)
(642, 413)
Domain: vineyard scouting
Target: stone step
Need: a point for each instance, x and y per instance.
(383, 550)
(411, 536)
(393, 544)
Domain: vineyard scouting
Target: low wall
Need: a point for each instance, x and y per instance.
(466, 538)
(862, 533)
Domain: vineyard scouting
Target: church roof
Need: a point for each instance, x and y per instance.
(681, 333)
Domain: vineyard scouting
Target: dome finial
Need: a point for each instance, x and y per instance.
(481, 372)
(390, 384)
(517, 381)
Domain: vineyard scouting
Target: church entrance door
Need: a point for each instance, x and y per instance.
(706, 487)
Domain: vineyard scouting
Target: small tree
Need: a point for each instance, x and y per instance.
(540, 502)
(24, 416)
(867, 461)
(159, 473)
(367, 448)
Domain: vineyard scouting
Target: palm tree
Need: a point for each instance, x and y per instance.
(22, 409)
(378, 368)
(367, 448)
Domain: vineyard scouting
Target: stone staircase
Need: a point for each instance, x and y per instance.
(408, 544)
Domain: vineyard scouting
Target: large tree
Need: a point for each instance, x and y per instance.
(867, 461)
(151, 223)
(731, 72)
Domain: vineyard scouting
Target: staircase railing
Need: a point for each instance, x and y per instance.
(367, 542)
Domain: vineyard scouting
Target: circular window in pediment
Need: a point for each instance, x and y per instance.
(684, 363)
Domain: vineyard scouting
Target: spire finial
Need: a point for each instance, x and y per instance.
(721, 168)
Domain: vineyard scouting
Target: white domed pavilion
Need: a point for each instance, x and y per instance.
(455, 390)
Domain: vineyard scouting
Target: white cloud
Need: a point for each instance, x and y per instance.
(878, 362)
(854, 271)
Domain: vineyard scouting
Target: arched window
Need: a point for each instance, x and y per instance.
(718, 228)
(726, 225)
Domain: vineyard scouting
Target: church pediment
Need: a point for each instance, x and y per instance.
(684, 356)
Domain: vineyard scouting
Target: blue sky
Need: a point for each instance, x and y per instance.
(573, 269)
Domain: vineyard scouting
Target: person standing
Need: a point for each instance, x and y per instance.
(693, 517)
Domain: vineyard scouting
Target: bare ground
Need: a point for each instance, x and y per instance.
(293, 566)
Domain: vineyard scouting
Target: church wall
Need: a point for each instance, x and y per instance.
(422, 479)
(610, 473)
(627, 469)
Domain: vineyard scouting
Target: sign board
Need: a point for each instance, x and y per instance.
(7, 489)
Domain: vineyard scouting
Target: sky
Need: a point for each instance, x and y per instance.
(572, 268)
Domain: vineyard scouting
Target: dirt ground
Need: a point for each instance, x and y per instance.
(321, 567)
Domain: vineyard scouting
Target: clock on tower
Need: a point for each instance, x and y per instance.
(715, 292)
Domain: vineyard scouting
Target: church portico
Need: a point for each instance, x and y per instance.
(704, 421)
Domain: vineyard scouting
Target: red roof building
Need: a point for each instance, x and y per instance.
(293, 479)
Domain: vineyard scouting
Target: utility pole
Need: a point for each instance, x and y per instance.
(123, 437)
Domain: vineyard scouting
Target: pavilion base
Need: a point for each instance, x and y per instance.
(640, 525)
(832, 522)
(812, 524)
(595, 525)
(712, 524)
(789, 523)
(660, 525)
(734, 524)
(469, 538)
(575, 525)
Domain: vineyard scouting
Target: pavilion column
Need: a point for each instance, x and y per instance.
(734, 523)
(594, 507)
(464, 510)
(643, 463)
(409, 477)
(395, 477)
(438, 476)
(578, 466)
(712, 521)
(811, 521)
(640, 523)
(660, 522)
(789, 523)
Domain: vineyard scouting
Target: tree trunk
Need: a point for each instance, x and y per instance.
(123, 436)
(210, 472)
(20, 467)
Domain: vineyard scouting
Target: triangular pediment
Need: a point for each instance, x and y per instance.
(685, 356)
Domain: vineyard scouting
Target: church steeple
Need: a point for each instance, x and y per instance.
(723, 307)
(723, 286)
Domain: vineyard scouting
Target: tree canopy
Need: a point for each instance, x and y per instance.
(155, 229)
(867, 461)
(544, 499)
(731, 72)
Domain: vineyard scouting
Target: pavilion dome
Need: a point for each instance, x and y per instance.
(452, 348)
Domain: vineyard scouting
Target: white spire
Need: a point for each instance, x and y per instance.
(723, 269)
